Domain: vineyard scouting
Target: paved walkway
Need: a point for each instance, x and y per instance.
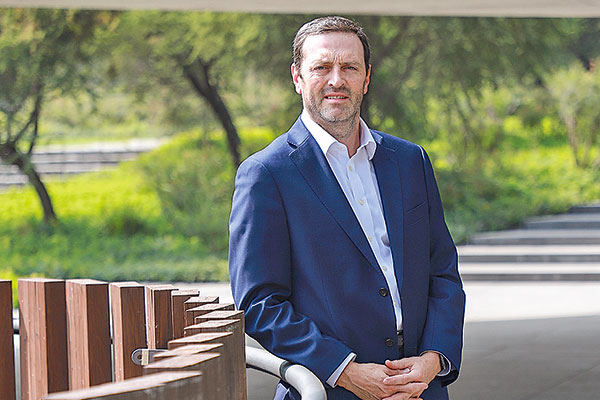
(523, 341)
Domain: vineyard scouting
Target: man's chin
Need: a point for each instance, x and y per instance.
(337, 118)
(336, 115)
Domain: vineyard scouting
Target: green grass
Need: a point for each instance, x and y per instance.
(110, 228)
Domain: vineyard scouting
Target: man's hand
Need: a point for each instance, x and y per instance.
(367, 381)
(413, 370)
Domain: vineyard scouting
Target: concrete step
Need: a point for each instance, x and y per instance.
(13, 180)
(60, 169)
(564, 221)
(57, 160)
(585, 209)
(537, 236)
(530, 271)
(529, 254)
(73, 158)
(91, 157)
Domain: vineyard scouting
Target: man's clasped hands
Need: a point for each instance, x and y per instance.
(400, 379)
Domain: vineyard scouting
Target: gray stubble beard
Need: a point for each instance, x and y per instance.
(338, 128)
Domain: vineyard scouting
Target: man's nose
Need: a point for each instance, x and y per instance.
(335, 77)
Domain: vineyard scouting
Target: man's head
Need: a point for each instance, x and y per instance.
(330, 24)
(331, 71)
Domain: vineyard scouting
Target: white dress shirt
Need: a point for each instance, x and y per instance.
(358, 181)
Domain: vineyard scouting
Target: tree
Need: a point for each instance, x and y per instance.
(576, 95)
(204, 50)
(41, 55)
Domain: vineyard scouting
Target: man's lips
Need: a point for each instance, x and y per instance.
(335, 96)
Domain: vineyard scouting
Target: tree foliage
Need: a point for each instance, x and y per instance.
(181, 52)
(576, 95)
(42, 53)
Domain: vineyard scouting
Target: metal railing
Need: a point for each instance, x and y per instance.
(301, 378)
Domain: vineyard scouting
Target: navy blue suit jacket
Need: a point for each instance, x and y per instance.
(302, 269)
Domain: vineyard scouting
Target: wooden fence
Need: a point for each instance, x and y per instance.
(77, 338)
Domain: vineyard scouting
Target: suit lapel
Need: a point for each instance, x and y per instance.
(312, 164)
(387, 171)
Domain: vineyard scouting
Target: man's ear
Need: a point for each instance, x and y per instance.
(367, 80)
(296, 77)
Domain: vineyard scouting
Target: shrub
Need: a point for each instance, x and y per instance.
(193, 178)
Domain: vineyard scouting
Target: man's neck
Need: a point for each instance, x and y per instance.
(345, 132)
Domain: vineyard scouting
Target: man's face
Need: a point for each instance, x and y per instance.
(333, 77)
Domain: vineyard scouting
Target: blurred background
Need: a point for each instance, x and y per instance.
(508, 108)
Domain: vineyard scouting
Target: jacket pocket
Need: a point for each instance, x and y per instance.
(415, 214)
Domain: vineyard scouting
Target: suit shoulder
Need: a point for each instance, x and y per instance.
(399, 144)
(272, 154)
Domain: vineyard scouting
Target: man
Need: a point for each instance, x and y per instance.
(339, 252)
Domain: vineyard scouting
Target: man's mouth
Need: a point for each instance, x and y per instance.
(336, 97)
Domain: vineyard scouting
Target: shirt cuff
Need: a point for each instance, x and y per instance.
(332, 380)
(445, 363)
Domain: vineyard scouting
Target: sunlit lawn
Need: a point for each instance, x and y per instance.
(110, 228)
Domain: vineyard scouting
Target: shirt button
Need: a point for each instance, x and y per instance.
(383, 292)
(384, 268)
(350, 167)
(370, 237)
(361, 202)
(389, 342)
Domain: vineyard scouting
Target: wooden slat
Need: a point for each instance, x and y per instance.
(183, 385)
(178, 298)
(226, 338)
(88, 333)
(188, 350)
(217, 315)
(210, 365)
(194, 302)
(43, 334)
(159, 321)
(129, 327)
(234, 354)
(192, 313)
(200, 300)
(229, 343)
(7, 352)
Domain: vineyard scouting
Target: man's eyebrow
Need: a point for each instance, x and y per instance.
(331, 60)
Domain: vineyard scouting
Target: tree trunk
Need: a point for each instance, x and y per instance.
(10, 155)
(571, 125)
(198, 74)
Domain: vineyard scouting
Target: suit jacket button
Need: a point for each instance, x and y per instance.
(389, 342)
(383, 292)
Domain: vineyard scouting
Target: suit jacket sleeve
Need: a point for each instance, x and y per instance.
(260, 269)
(443, 331)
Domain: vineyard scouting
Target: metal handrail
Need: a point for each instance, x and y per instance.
(300, 377)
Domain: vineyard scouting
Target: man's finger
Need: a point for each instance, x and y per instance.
(392, 372)
(411, 387)
(403, 363)
(403, 379)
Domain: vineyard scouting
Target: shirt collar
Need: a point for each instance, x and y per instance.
(325, 140)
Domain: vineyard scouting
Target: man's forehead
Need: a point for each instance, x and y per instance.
(335, 45)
